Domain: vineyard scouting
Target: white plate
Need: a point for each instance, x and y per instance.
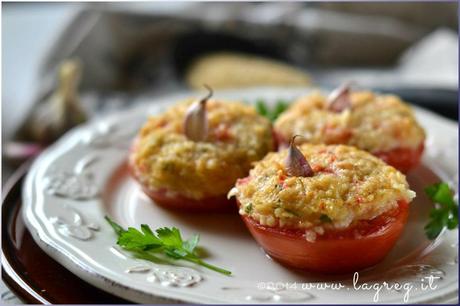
(82, 177)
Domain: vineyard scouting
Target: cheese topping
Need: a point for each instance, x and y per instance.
(374, 123)
(164, 158)
(348, 185)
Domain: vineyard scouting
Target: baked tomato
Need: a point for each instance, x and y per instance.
(279, 140)
(403, 159)
(339, 251)
(176, 201)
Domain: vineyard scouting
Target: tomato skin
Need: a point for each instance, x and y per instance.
(175, 201)
(335, 251)
(403, 159)
(280, 140)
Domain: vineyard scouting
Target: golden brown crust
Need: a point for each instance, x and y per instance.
(375, 123)
(164, 158)
(348, 185)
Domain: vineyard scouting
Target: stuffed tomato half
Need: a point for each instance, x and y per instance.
(330, 209)
(189, 157)
(380, 124)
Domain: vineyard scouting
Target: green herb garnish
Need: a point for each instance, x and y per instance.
(271, 113)
(325, 218)
(166, 241)
(445, 213)
(248, 208)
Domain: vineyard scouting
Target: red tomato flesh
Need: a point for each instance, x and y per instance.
(173, 200)
(178, 202)
(338, 251)
(403, 159)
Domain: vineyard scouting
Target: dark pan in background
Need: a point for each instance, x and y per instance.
(128, 52)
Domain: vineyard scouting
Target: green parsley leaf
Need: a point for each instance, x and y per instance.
(280, 107)
(117, 228)
(134, 240)
(445, 213)
(165, 241)
(325, 218)
(273, 113)
(170, 237)
(261, 107)
(191, 244)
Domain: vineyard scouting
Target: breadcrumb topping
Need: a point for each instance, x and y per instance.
(348, 185)
(374, 123)
(164, 158)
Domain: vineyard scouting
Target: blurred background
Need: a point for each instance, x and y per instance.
(63, 63)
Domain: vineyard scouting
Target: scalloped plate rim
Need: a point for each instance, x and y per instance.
(87, 273)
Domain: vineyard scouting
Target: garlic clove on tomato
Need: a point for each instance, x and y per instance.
(196, 121)
(339, 99)
(296, 164)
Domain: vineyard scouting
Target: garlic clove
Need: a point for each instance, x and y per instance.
(196, 121)
(62, 110)
(340, 99)
(296, 164)
(232, 193)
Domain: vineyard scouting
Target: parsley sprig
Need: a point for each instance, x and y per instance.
(146, 244)
(271, 113)
(445, 213)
